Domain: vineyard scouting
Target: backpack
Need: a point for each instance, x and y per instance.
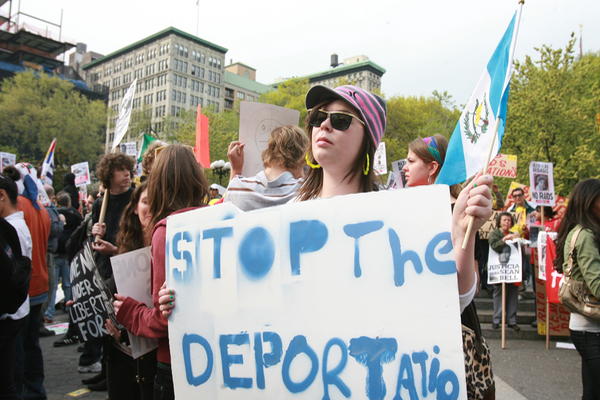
(15, 270)
(56, 229)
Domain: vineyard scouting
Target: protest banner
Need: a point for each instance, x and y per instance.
(317, 299)
(82, 173)
(505, 266)
(91, 302)
(129, 148)
(257, 121)
(132, 277)
(380, 160)
(7, 159)
(541, 183)
(558, 315)
(503, 166)
(124, 114)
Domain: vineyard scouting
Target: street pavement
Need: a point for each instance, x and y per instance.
(524, 370)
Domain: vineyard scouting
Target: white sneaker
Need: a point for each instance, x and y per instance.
(93, 368)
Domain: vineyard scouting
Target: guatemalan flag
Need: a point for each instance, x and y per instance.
(47, 174)
(473, 135)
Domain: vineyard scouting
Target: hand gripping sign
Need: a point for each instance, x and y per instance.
(350, 297)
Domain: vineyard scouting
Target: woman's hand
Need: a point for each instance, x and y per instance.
(99, 229)
(166, 300)
(118, 302)
(104, 247)
(475, 200)
(112, 329)
(235, 154)
(511, 236)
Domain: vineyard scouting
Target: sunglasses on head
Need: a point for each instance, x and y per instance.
(340, 120)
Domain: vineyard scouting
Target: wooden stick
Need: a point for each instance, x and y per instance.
(503, 315)
(103, 209)
(547, 324)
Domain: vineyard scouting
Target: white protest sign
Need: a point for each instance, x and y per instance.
(257, 121)
(506, 265)
(124, 114)
(132, 277)
(129, 148)
(380, 160)
(399, 180)
(541, 252)
(7, 159)
(82, 173)
(328, 298)
(541, 183)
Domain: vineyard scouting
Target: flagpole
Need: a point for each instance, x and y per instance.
(487, 162)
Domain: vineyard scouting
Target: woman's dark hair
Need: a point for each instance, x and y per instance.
(131, 234)
(579, 212)
(502, 214)
(313, 183)
(8, 184)
(176, 182)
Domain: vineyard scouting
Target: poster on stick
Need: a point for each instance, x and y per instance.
(503, 166)
(295, 300)
(506, 265)
(398, 180)
(380, 160)
(129, 148)
(541, 183)
(132, 276)
(558, 317)
(82, 173)
(7, 159)
(91, 302)
(257, 121)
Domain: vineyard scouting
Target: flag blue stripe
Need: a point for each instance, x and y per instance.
(498, 66)
(454, 169)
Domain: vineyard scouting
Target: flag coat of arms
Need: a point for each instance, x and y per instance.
(47, 174)
(475, 131)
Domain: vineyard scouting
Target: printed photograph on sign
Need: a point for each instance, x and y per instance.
(398, 179)
(294, 300)
(82, 173)
(7, 159)
(506, 265)
(541, 183)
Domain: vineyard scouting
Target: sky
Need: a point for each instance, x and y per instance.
(423, 45)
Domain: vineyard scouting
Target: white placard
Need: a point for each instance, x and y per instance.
(82, 173)
(541, 252)
(257, 121)
(380, 160)
(129, 148)
(541, 183)
(7, 159)
(132, 277)
(320, 299)
(399, 180)
(124, 114)
(507, 265)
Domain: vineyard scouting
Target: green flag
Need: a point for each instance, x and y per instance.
(147, 140)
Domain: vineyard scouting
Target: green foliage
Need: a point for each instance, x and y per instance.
(552, 115)
(289, 94)
(35, 108)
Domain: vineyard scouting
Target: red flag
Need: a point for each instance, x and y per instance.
(553, 278)
(202, 148)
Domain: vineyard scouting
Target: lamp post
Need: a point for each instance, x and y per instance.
(220, 168)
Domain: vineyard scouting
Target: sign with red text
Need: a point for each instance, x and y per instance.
(503, 166)
(541, 183)
(297, 300)
(559, 314)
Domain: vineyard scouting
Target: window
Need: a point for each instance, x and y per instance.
(161, 95)
(197, 86)
(161, 80)
(138, 73)
(241, 95)
(149, 69)
(197, 71)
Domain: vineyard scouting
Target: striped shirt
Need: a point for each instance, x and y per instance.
(251, 193)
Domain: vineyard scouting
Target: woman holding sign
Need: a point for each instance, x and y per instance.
(176, 184)
(580, 232)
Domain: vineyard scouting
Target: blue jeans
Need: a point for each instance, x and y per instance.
(588, 346)
(62, 270)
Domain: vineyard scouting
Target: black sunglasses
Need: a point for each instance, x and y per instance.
(340, 120)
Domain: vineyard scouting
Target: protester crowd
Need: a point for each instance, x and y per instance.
(42, 232)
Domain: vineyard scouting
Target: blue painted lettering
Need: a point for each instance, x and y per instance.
(256, 253)
(372, 353)
(419, 357)
(228, 359)
(400, 258)
(436, 266)
(186, 344)
(182, 273)
(266, 360)
(406, 379)
(331, 377)
(356, 231)
(305, 236)
(297, 346)
(217, 234)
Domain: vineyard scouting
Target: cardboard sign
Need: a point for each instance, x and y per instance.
(380, 160)
(559, 314)
(257, 121)
(541, 184)
(505, 266)
(503, 166)
(82, 173)
(92, 305)
(317, 299)
(7, 159)
(132, 276)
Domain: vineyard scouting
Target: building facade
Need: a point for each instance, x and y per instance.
(241, 85)
(174, 71)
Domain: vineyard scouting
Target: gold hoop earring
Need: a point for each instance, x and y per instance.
(313, 166)
(366, 170)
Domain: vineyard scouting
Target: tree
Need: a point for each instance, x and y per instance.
(552, 115)
(289, 94)
(35, 108)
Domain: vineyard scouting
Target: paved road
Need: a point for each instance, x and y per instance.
(524, 370)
